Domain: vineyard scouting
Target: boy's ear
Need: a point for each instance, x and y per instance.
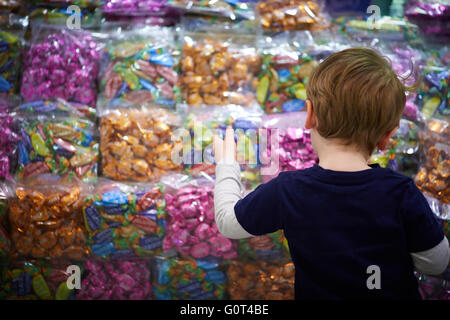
(384, 140)
(310, 117)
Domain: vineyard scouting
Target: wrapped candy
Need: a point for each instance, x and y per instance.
(61, 63)
(433, 97)
(46, 219)
(431, 17)
(125, 221)
(202, 123)
(140, 66)
(135, 7)
(11, 43)
(223, 8)
(59, 108)
(188, 279)
(9, 138)
(401, 153)
(64, 146)
(287, 145)
(283, 15)
(38, 280)
(191, 228)
(137, 144)
(80, 3)
(115, 280)
(433, 176)
(10, 5)
(433, 288)
(282, 81)
(260, 281)
(219, 69)
(269, 247)
(49, 14)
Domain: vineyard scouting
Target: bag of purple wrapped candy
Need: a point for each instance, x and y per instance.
(191, 228)
(115, 280)
(61, 63)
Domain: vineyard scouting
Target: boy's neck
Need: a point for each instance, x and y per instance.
(338, 157)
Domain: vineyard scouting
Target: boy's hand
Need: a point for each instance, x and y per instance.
(225, 150)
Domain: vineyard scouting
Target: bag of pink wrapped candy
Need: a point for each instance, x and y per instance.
(9, 137)
(433, 288)
(119, 279)
(135, 8)
(139, 66)
(61, 63)
(191, 227)
(286, 144)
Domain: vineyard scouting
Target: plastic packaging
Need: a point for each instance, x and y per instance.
(11, 47)
(63, 146)
(80, 3)
(219, 68)
(140, 66)
(283, 78)
(286, 145)
(115, 280)
(268, 247)
(433, 176)
(431, 17)
(203, 122)
(261, 281)
(137, 143)
(38, 280)
(188, 279)
(125, 221)
(61, 63)
(433, 288)
(283, 15)
(191, 227)
(60, 108)
(135, 7)
(232, 9)
(433, 96)
(9, 137)
(46, 219)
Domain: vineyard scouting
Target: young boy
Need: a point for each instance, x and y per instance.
(355, 231)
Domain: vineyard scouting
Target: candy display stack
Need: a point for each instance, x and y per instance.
(106, 131)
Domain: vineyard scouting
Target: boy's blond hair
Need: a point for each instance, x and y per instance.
(356, 97)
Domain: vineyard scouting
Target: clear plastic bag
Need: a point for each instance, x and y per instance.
(11, 49)
(283, 76)
(46, 218)
(203, 122)
(191, 227)
(104, 279)
(125, 220)
(60, 108)
(433, 95)
(80, 3)
(218, 68)
(135, 7)
(51, 143)
(433, 288)
(232, 9)
(260, 281)
(269, 247)
(433, 176)
(139, 66)
(188, 279)
(9, 138)
(286, 144)
(139, 144)
(285, 15)
(37, 279)
(61, 63)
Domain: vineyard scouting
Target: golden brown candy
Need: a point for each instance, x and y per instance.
(45, 222)
(261, 281)
(137, 144)
(212, 70)
(282, 15)
(433, 176)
